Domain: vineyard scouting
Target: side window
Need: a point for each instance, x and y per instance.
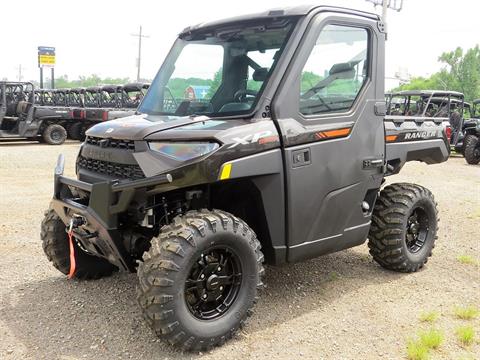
(335, 71)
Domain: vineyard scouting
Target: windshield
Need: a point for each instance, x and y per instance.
(217, 72)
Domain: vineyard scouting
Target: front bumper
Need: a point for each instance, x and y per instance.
(99, 206)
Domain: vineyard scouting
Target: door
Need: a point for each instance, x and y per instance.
(333, 139)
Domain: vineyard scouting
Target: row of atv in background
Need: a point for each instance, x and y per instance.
(464, 117)
(52, 115)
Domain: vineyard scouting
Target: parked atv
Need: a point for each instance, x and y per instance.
(471, 132)
(268, 165)
(33, 114)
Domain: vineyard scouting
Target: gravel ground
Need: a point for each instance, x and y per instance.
(340, 306)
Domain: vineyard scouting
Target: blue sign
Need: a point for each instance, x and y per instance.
(48, 49)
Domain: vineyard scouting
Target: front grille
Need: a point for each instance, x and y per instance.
(117, 171)
(111, 143)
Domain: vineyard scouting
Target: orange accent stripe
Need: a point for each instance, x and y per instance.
(71, 273)
(391, 138)
(267, 139)
(337, 133)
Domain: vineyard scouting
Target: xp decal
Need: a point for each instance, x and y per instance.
(253, 138)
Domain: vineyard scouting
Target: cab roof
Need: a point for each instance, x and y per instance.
(301, 10)
(135, 86)
(427, 93)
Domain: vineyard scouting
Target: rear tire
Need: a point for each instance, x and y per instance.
(472, 149)
(404, 227)
(56, 247)
(54, 134)
(199, 280)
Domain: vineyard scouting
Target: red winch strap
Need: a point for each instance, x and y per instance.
(72, 255)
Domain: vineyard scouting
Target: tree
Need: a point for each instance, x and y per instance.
(461, 72)
(309, 80)
(215, 84)
(177, 86)
(63, 82)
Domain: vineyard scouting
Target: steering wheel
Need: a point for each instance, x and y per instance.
(241, 95)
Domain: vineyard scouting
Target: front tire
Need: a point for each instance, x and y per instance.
(404, 227)
(54, 134)
(56, 247)
(76, 131)
(472, 149)
(199, 280)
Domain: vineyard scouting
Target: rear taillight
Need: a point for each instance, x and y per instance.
(105, 116)
(83, 114)
(448, 132)
(71, 114)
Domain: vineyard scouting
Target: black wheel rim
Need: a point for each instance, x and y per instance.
(56, 135)
(476, 152)
(417, 230)
(213, 283)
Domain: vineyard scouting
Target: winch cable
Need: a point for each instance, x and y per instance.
(71, 273)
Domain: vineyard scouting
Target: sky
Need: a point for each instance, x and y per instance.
(94, 36)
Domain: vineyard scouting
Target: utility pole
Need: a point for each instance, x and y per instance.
(139, 59)
(20, 77)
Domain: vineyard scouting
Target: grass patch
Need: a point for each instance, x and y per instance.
(466, 259)
(465, 335)
(466, 357)
(432, 339)
(429, 316)
(333, 276)
(474, 215)
(417, 351)
(467, 312)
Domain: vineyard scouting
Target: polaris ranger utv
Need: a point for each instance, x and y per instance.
(32, 114)
(282, 160)
(433, 105)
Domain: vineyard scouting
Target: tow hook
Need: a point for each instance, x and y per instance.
(75, 222)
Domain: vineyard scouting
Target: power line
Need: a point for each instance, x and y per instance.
(139, 59)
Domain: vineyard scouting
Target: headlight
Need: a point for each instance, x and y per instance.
(183, 151)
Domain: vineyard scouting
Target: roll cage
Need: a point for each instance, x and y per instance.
(426, 103)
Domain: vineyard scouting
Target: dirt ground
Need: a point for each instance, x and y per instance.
(341, 306)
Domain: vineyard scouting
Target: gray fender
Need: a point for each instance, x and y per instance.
(266, 172)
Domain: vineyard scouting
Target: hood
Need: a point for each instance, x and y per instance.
(137, 127)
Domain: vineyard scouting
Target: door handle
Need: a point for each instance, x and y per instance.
(380, 108)
(373, 164)
(301, 157)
